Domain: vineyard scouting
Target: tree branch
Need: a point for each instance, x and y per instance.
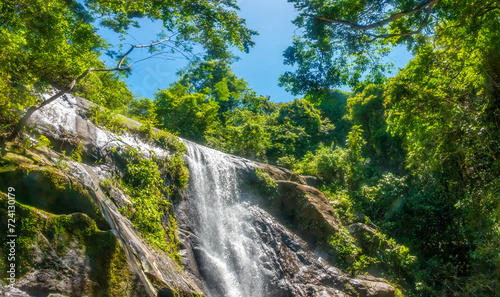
(424, 23)
(381, 23)
(22, 122)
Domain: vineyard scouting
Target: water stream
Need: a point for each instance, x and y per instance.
(230, 254)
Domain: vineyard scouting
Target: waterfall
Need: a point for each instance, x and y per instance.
(237, 249)
(230, 255)
(230, 245)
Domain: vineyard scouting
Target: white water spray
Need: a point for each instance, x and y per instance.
(230, 253)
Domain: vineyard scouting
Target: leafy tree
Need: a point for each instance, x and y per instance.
(190, 115)
(334, 165)
(210, 104)
(142, 108)
(366, 108)
(45, 42)
(445, 105)
(342, 40)
(55, 42)
(245, 134)
(216, 79)
(258, 104)
(333, 106)
(297, 128)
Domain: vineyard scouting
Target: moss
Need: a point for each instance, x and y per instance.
(37, 230)
(46, 188)
(76, 153)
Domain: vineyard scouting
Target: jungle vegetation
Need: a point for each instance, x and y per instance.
(416, 150)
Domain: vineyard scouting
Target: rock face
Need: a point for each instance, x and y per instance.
(64, 265)
(232, 244)
(237, 248)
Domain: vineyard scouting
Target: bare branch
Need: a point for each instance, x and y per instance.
(119, 66)
(148, 57)
(22, 122)
(381, 23)
(124, 56)
(152, 44)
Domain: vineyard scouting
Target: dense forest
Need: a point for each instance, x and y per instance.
(414, 152)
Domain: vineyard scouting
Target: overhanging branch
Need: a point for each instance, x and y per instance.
(422, 26)
(22, 122)
(381, 23)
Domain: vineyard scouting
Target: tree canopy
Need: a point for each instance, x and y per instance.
(340, 42)
(53, 42)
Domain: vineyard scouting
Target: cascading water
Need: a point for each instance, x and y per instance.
(230, 255)
(236, 248)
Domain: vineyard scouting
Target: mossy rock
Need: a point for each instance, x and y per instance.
(67, 254)
(47, 188)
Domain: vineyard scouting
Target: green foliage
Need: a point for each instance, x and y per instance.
(213, 24)
(444, 105)
(338, 167)
(142, 108)
(152, 183)
(418, 153)
(297, 127)
(61, 162)
(215, 79)
(48, 42)
(53, 42)
(107, 118)
(366, 109)
(431, 132)
(348, 253)
(343, 204)
(267, 185)
(143, 182)
(44, 141)
(372, 252)
(244, 134)
(188, 114)
(60, 233)
(76, 154)
(333, 106)
(107, 90)
(342, 41)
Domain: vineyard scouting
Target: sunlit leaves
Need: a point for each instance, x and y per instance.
(212, 23)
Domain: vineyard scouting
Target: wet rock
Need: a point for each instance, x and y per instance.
(220, 223)
(309, 211)
(120, 200)
(12, 292)
(312, 181)
(300, 272)
(166, 292)
(64, 122)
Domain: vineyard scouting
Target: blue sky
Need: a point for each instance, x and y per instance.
(261, 67)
